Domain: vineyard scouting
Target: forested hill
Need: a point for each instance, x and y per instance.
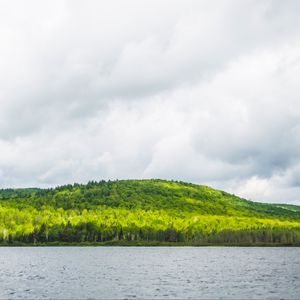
(142, 210)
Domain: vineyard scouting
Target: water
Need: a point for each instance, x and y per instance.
(149, 273)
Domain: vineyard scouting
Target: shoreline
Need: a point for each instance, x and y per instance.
(145, 244)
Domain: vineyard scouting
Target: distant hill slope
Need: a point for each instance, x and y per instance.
(142, 210)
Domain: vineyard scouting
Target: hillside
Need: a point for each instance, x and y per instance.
(142, 210)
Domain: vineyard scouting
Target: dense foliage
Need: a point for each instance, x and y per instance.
(142, 210)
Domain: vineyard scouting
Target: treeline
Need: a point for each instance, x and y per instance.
(108, 224)
(87, 232)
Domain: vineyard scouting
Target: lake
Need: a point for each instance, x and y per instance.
(149, 272)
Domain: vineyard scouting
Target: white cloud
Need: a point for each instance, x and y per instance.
(187, 90)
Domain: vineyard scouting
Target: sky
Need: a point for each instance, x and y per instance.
(199, 91)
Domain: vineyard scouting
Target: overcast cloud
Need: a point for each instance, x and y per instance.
(200, 91)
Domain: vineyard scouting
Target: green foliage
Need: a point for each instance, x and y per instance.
(142, 210)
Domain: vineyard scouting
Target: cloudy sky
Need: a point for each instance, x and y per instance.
(200, 91)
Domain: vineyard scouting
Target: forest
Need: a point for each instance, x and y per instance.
(142, 211)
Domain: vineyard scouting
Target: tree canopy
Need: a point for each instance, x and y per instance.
(142, 210)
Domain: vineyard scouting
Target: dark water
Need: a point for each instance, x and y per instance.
(148, 273)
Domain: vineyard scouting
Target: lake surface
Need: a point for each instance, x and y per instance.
(150, 272)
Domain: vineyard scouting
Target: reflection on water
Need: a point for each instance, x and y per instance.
(147, 273)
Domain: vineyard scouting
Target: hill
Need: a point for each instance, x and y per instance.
(129, 211)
